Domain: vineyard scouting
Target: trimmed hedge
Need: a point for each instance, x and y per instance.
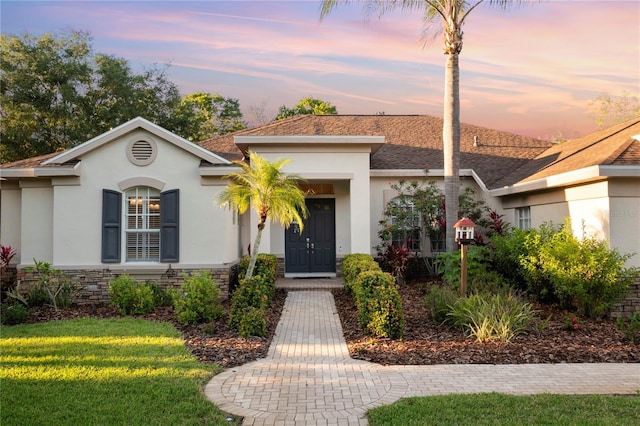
(378, 302)
(266, 266)
(253, 296)
(353, 265)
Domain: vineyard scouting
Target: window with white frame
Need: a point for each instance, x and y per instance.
(406, 221)
(523, 217)
(142, 219)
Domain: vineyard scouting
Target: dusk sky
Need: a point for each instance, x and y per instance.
(530, 70)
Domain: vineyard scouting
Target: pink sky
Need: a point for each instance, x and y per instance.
(529, 70)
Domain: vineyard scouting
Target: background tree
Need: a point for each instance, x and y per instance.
(55, 93)
(42, 86)
(608, 110)
(204, 115)
(305, 106)
(117, 94)
(273, 195)
(450, 15)
(258, 113)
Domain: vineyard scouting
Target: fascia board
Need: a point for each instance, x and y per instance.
(583, 175)
(41, 172)
(244, 142)
(415, 173)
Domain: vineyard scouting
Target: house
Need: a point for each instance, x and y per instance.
(143, 200)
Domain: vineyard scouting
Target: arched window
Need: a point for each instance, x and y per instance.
(151, 228)
(406, 223)
(142, 219)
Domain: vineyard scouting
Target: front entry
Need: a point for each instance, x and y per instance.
(313, 252)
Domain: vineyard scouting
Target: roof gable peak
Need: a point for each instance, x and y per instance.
(125, 128)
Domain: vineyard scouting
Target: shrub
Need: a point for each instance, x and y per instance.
(209, 328)
(508, 249)
(13, 314)
(630, 327)
(439, 301)
(353, 265)
(395, 258)
(491, 317)
(37, 296)
(584, 273)
(490, 282)
(266, 267)
(385, 312)
(378, 303)
(161, 297)
(478, 264)
(253, 292)
(199, 301)
(130, 297)
(253, 323)
(52, 288)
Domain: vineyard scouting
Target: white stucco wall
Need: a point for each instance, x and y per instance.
(36, 222)
(206, 234)
(624, 219)
(10, 217)
(347, 168)
(607, 210)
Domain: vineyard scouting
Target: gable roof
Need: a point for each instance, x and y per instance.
(614, 151)
(615, 145)
(412, 142)
(70, 157)
(129, 126)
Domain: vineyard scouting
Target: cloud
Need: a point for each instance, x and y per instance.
(528, 66)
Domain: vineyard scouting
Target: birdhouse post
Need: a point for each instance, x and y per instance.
(465, 234)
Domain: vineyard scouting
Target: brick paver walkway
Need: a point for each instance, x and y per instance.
(308, 378)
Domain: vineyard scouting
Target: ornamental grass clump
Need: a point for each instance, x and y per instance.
(439, 301)
(491, 317)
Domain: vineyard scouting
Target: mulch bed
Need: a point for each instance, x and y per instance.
(224, 346)
(423, 342)
(426, 343)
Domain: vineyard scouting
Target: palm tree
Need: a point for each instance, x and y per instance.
(451, 14)
(272, 194)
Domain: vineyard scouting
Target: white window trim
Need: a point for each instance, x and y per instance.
(145, 215)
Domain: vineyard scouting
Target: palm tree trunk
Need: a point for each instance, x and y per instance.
(254, 251)
(451, 144)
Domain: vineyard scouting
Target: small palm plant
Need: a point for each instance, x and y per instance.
(272, 194)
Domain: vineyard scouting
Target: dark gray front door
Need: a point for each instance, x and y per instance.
(314, 249)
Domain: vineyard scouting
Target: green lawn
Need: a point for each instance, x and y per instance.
(102, 372)
(504, 410)
(136, 372)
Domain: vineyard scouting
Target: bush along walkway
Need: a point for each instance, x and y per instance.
(308, 377)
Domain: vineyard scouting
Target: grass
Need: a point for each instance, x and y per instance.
(102, 372)
(500, 409)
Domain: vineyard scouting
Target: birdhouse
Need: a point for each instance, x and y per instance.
(465, 231)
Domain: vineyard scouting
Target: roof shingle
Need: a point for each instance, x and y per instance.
(411, 142)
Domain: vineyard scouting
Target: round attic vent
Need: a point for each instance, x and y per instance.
(141, 152)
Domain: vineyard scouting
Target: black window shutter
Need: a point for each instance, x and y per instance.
(169, 226)
(111, 224)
